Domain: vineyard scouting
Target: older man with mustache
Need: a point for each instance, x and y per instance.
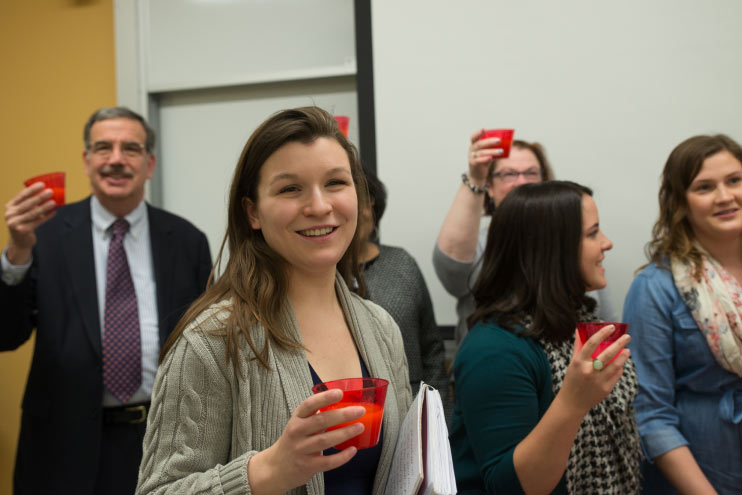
(103, 281)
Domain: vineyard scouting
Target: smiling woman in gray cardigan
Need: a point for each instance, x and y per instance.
(207, 422)
(232, 406)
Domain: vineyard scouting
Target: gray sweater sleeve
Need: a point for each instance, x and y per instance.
(453, 275)
(458, 276)
(189, 428)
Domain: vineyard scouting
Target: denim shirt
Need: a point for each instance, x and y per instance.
(685, 397)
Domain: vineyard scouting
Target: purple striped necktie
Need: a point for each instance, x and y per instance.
(122, 350)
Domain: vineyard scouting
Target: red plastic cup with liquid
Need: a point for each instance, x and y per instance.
(343, 122)
(588, 329)
(53, 181)
(506, 140)
(367, 392)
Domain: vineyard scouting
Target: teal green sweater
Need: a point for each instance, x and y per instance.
(502, 389)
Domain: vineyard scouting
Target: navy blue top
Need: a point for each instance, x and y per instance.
(355, 477)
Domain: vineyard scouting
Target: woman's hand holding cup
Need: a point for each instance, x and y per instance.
(589, 380)
(481, 154)
(297, 454)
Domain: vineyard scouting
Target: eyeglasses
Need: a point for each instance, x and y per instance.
(510, 176)
(104, 149)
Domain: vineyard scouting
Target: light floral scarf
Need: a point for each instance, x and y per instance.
(716, 304)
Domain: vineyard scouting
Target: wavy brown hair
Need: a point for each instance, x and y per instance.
(543, 163)
(531, 264)
(255, 279)
(672, 235)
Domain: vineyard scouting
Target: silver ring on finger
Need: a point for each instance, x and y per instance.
(598, 364)
(474, 154)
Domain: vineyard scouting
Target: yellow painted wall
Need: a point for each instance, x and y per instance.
(56, 67)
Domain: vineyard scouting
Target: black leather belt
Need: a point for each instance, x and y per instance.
(131, 414)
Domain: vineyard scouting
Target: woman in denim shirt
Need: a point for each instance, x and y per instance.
(689, 406)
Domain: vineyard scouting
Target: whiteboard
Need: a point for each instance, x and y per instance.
(204, 43)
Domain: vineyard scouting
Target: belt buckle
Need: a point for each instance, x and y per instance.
(141, 409)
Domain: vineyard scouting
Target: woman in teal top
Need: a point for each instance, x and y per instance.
(533, 412)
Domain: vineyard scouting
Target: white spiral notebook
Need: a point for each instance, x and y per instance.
(422, 463)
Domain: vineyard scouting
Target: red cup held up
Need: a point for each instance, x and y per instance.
(343, 122)
(588, 329)
(53, 181)
(506, 140)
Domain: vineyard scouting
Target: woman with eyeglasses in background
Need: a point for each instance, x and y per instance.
(462, 238)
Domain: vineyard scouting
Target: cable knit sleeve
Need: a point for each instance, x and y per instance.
(189, 430)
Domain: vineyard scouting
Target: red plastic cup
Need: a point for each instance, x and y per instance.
(367, 392)
(53, 181)
(506, 140)
(343, 124)
(588, 329)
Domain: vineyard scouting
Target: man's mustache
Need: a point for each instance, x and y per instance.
(117, 170)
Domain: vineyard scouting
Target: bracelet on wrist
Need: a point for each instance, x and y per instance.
(474, 189)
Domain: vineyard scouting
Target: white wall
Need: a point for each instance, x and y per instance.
(208, 43)
(609, 88)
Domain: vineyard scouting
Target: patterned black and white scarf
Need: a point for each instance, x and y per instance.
(605, 456)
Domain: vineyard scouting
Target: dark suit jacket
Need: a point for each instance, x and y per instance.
(62, 407)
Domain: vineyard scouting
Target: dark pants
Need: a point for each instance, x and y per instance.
(120, 455)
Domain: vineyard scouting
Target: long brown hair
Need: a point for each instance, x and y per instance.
(531, 264)
(672, 235)
(254, 279)
(543, 163)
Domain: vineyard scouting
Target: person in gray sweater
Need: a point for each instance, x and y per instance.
(232, 405)
(394, 282)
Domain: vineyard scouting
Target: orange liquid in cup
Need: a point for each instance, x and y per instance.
(371, 422)
(506, 140)
(588, 329)
(369, 393)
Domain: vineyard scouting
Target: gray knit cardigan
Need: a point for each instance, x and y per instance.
(206, 421)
